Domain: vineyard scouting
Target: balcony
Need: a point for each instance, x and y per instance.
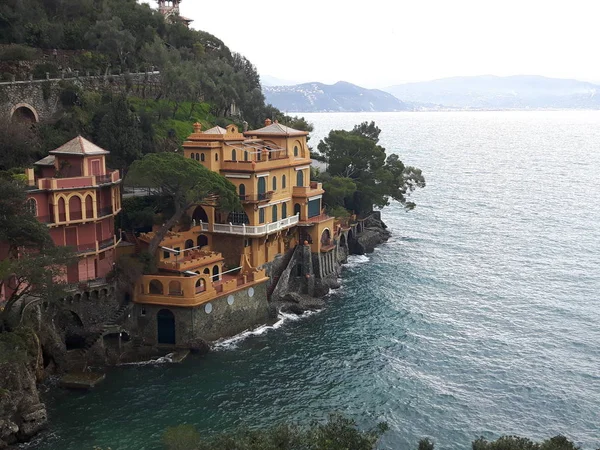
(315, 219)
(79, 182)
(259, 230)
(308, 191)
(256, 198)
(192, 259)
(106, 242)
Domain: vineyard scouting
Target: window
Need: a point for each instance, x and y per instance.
(31, 206)
(274, 183)
(197, 157)
(246, 155)
(261, 215)
(143, 312)
(192, 155)
(274, 218)
(284, 210)
(283, 182)
(242, 191)
(233, 155)
(216, 156)
(166, 254)
(201, 156)
(295, 151)
(299, 178)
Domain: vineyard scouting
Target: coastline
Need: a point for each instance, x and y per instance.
(23, 414)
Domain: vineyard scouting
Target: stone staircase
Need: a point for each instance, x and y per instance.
(132, 238)
(77, 359)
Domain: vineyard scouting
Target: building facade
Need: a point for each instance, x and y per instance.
(219, 258)
(77, 197)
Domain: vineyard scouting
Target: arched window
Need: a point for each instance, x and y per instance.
(202, 241)
(31, 206)
(283, 182)
(297, 209)
(156, 287)
(299, 178)
(62, 210)
(75, 212)
(206, 271)
(262, 188)
(197, 157)
(274, 214)
(233, 155)
(175, 288)
(274, 183)
(200, 285)
(89, 207)
(242, 191)
(189, 243)
(216, 273)
(202, 157)
(261, 215)
(192, 155)
(295, 151)
(284, 210)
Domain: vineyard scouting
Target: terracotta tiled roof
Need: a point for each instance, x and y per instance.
(79, 146)
(47, 161)
(215, 130)
(276, 129)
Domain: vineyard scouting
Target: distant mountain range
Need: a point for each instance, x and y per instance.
(338, 97)
(491, 92)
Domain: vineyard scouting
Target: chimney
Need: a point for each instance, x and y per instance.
(267, 122)
(197, 127)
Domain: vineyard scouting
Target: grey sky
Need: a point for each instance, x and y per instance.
(377, 43)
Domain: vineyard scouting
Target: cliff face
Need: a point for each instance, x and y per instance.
(22, 415)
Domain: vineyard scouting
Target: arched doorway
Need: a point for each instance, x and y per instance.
(215, 276)
(262, 188)
(202, 241)
(297, 209)
(200, 215)
(299, 178)
(326, 237)
(343, 240)
(165, 327)
(24, 114)
(189, 243)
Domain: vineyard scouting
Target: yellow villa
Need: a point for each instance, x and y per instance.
(212, 277)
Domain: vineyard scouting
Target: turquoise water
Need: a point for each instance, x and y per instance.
(479, 317)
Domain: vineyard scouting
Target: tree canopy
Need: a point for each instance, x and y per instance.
(33, 264)
(361, 175)
(179, 183)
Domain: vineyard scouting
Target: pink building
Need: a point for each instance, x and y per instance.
(73, 192)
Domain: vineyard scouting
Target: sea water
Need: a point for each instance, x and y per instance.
(480, 316)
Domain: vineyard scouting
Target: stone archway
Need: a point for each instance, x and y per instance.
(200, 215)
(24, 113)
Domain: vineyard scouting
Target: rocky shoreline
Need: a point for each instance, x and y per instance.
(23, 414)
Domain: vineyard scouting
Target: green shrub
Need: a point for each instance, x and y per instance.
(40, 70)
(16, 52)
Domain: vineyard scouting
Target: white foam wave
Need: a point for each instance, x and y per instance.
(168, 358)
(282, 318)
(355, 260)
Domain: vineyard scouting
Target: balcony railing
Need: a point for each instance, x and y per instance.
(255, 198)
(259, 230)
(84, 248)
(106, 242)
(102, 179)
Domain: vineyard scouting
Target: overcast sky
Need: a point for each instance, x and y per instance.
(378, 43)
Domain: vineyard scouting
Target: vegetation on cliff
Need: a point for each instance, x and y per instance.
(361, 175)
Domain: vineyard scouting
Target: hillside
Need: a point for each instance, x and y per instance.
(338, 97)
(491, 92)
